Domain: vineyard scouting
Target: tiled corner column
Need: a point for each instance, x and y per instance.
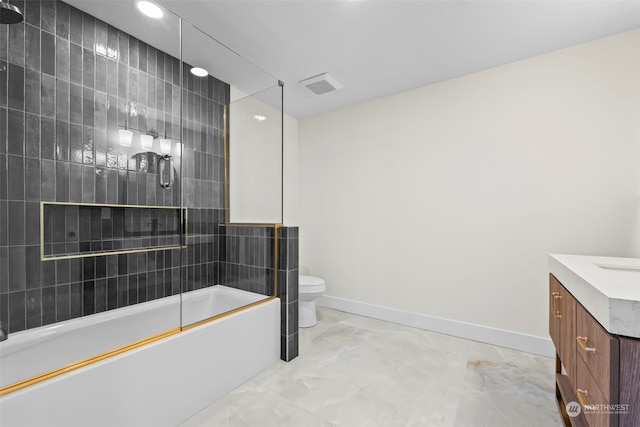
(288, 291)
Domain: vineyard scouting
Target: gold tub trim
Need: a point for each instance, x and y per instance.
(226, 313)
(18, 385)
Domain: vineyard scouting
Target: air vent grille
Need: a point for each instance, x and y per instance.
(322, 83)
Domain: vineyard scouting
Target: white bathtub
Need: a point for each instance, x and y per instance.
(159, 384)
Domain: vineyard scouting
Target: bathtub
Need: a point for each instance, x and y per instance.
(157, 384)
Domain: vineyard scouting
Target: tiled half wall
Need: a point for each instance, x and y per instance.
(248, 264)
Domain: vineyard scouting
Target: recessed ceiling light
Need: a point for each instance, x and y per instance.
(200, 72)
(150, 9)
(260, 117)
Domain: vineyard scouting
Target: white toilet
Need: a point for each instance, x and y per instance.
(309, 288)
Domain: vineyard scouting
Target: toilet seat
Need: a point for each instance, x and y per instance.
(310, 284)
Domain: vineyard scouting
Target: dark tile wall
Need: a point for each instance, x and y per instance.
(68, 82)
(247, 258)
(288, 291)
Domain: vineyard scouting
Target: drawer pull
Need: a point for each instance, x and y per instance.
(556, 297)
(585, 393)
(583, 344)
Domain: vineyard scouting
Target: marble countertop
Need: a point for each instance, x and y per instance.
(608, 287)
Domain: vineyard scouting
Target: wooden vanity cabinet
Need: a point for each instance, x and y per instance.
(593, 367)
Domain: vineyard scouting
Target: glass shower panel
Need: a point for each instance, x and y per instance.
(209, 70)
(255, 157)
(98, 232)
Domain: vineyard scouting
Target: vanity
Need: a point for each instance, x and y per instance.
(594, 322)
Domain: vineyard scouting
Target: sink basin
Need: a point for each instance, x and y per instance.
(629, 268)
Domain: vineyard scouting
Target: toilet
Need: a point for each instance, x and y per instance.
(309, 288)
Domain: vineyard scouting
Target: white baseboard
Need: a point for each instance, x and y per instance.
(514, 340)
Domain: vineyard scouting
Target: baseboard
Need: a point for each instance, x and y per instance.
(509, 339)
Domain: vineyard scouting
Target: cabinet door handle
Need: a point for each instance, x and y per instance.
(556, 297)
(580, 393)
(583, 344)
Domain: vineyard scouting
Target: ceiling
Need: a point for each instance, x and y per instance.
(373, 48)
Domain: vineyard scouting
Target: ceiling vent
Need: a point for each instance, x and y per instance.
(322, 83)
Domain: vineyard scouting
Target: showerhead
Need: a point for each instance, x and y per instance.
(10, 14)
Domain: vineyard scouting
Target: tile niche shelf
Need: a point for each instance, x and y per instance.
(79, 230)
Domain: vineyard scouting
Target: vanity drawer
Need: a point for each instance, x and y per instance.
(588, 394)
(599, 351)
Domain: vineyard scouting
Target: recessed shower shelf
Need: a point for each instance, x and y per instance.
(79, 230)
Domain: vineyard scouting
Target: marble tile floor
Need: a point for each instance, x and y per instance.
(355, 371)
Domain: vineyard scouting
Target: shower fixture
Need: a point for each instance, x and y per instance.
(10, 14)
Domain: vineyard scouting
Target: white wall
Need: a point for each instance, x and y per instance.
(446, 200)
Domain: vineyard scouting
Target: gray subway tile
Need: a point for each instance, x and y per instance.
(16, 44)
(75, 26)
(15, 132)
(63, 302)
(32, 178)
(48, 16)
(16, 223)
(17, 311)
(47, 53)
(75, 143)
(75, 182)
(76, 98)
(62, 100)
(48, 180)
(62, 140)
(16, 87)
(62, 59)
(101, 73)
(32, 91)
(33, 305)
(15, 181)
(88, 68)
(32, 254)
(75, 63)
(4, 75)
(17, 268)
(32, 48)
(62, 181)
(48, 305)
(32, 13)
(62, 20)
(88, 31)
(48, 96)
(32, 223)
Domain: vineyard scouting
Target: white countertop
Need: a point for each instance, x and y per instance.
(608, 287)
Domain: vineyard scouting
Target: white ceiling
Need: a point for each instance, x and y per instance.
(374, 47)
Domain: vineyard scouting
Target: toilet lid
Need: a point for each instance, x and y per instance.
(310, 281)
